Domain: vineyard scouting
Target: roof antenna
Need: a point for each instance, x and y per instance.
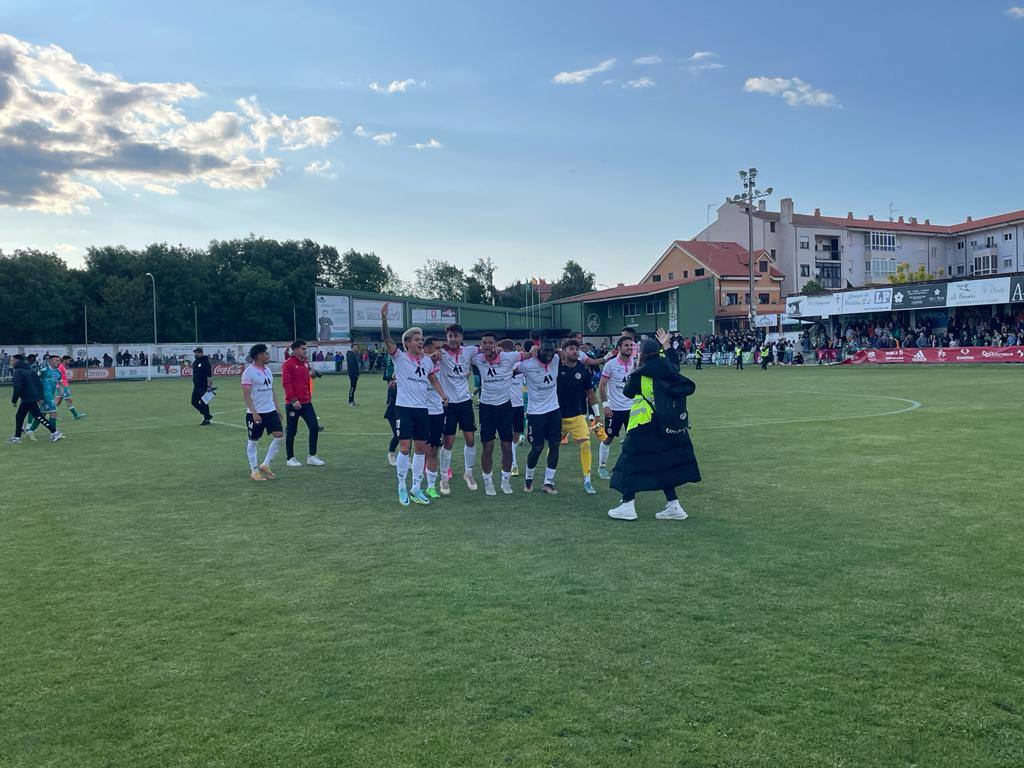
(892, 210)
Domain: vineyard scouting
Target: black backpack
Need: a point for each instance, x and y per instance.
(669, 406)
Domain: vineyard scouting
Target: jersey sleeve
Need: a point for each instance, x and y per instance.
(247, 377)
(606, 372)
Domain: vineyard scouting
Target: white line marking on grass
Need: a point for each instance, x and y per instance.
(912, 405)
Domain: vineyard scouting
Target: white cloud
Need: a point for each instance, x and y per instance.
(609, 82)
(65, 127)
(430, 144)
(360, 131)
(321, 168)
(643, 82)
(395, 86)
(701, 61)
(383, 139)
(702, 56)
(582, 75)
(65, 249)
(794, 91)
(1015, 12)
(648, 60)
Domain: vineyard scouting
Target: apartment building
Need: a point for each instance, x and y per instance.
(846, 251)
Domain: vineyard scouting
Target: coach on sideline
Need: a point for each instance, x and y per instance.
(202, 382)
(296, 376)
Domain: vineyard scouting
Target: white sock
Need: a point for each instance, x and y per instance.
(250, 451)
(418, 463)
(431, 479)
(275, 443)
(469, 455)
(402, 467)
(586, 478)
(529, 472)
(515, 464)
(549, 475)
(446, 461)
(505, 476)
(602, 454)
(488, 478)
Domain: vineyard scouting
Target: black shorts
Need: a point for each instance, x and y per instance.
(518, 419)
(436, 438)
(615, 424)
(269, 422)
(412, 423)
(496, 420)
(545, 427)
(459, 417)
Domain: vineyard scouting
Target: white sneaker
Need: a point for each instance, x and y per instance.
(30, 434)
(506, 486)
(445, 489)
(58, 435)
(672, 511)
(392, 458)
(293, 462)
(315, 461)
(489, 488)
(470, 482)
(625, 511)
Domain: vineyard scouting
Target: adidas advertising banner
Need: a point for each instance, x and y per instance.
(918, 296)
(941, 355)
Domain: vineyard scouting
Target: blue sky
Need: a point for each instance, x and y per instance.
(905, 103)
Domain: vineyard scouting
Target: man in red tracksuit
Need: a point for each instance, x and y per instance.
(295, 375)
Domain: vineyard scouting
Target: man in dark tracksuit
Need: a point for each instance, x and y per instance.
(352, 364)
(202, 381)
(28, 388)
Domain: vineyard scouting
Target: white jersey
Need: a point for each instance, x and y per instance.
(541, 385)
(455, 370)
(411, 377)
(260, 381)
(435, 406)
(496, 376)
(515, 388)
(614, 375)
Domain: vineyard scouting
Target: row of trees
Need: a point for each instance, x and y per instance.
(234, 289)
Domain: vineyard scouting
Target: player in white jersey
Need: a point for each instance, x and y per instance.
(262, 413)
(495, 367)
(543, 415)
(616, 405)
(515, 396)
(414, 374)
(435, 412)
(456, 366)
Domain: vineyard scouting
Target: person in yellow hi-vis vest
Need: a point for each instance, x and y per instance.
(657, 454)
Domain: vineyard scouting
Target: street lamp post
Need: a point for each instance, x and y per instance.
(195, 319)
(149, 367)
(750, 195)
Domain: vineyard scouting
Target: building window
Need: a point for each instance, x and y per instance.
(731, 298)
(1007, 235)
(630, 309)
(609, 311)
(1007, 262)
(686, 273)
(771, 226)
(879, 267)
(655, 278)
(990, 241)
(974, 243)
(959, 269)
(762, 266)
(879, 241)
(805, 242)
(773, 254)
(671, 275)
(831, 275)
(764, 298)
(986, 264)
(960, 245)
(805, 270)
(746, 299)
(656, 307)
(698, 272)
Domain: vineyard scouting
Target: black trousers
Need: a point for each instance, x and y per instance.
(31, 408)
(353, 379)
(197, 401)
(308, 415)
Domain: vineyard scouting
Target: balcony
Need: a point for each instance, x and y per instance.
(985, 250)
(828, 254)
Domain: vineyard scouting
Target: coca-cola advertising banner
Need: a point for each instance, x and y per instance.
(219, 369)
(940, 355)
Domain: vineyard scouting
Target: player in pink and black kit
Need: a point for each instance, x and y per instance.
(456, 364)
(495, 368)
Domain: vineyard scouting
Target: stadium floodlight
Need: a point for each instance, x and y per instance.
(749, 195)
(149, 367)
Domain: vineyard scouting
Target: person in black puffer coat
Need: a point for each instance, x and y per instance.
(652, 460)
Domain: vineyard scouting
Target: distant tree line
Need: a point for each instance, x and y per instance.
(237, 289)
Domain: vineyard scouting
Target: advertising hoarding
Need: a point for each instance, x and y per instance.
(366, 313)
(333, 318)
(993, 290)
(430, 315)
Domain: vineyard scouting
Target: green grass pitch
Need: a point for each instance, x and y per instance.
(848, 590)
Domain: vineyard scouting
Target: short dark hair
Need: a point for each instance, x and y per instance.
(624, 337)
(197, 349)
(570, 343)
(257, 349)
(66, 357)
(454, 328)
(17, 356)
(492, 334)
(628, 331)
(507, 344)
(429, 340)
(528, 345)
(537, 334)
(298, 343)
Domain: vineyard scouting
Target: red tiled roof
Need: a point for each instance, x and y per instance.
(990, 221)
(625, 291)
(805, 220)
(724, 259)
